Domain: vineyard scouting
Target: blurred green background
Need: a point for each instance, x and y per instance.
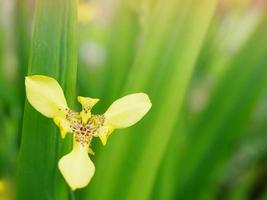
(204, 65)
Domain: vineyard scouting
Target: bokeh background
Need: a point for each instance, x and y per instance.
(204, 65)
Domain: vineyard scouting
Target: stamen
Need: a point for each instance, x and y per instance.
(83, 133)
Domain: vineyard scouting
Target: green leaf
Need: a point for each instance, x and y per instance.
(53, 53)
(134, 158)
(122, 48)
(221, 125)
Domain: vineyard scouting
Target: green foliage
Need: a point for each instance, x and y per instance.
(53, 53)
(214, 138)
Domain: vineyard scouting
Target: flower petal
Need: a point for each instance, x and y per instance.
(45, 95)
(87, 104)
(103, 133)
(76, 167)
(127, 110)
(63, 125)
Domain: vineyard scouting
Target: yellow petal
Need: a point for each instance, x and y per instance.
(103, 133)
(64, 126)
(87, 101)
(45, 95)
(103, 138)
(87, 104)
(76, 167)
(128, 110)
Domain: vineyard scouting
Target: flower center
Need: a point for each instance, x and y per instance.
(83, 133)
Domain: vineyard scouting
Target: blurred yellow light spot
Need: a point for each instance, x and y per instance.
(86, 12)
(237, 4)
(2, 187)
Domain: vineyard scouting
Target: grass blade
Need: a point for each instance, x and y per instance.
(53, 53)
(146, 150)
(214, 138)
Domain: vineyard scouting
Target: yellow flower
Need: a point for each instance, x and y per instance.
(47, 97)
